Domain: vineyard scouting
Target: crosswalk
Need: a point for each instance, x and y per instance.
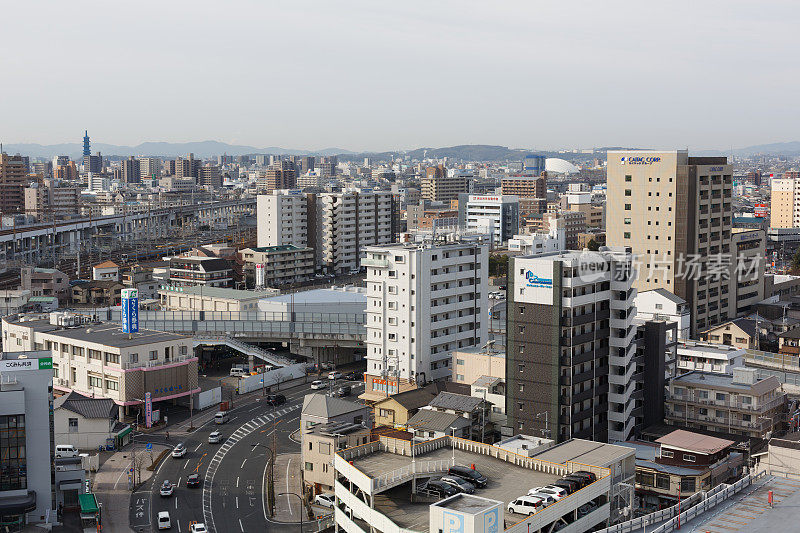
(244, 430)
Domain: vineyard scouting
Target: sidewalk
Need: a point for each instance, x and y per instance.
(111, 486)
(288, 478)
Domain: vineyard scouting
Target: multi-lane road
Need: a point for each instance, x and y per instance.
(231, 495)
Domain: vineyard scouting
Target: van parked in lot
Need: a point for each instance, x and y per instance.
(239, 372)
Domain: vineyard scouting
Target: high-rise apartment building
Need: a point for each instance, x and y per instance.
(187, 168)
(570, 345)
(351, 220)
(423, 302)
(149, 168)
(131, 170)
(307, 164)
(283, 218)
(438, 186)
(785, 203)
(66, 172)
(674, 212)
(336, 225)
(13, 178)
(49, 198)
(524, 186)
(209, 176)
(279, 175)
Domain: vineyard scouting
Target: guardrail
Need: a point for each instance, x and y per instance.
(697, 504)
(401, 475)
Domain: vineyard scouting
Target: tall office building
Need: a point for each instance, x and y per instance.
(91, 163)
(674, 212)
(534, 165)
(27, 493)
(131, 170)
(423, 301)
(327, 166)
(13, 178)
(497, 216)
(87, 150)
(570, 345)
(307, 164)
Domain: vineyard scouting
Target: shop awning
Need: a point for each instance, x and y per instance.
(88, 503)
(124, 432)
(70, 484)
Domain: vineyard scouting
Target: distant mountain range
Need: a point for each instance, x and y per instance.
(467, 152)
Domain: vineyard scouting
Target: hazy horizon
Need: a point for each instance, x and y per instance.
(365, 76)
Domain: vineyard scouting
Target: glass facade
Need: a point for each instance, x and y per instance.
(13, 461)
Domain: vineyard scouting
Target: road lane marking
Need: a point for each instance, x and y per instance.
(176, 502)
(237, 502)
(240, 525)
(289, 501)
(186, 464)
(198, 446)
(237, 482)
(243, 462)
(179, 482)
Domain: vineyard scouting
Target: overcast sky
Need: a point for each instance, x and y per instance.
(379, 75)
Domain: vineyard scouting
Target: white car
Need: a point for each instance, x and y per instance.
(215, 437)
(198, 528)
(167, 488)
(163, 520)
(335, 374)
(325, 500)
(179, 451)
(554, 492)
(317, 385)
(526, 505)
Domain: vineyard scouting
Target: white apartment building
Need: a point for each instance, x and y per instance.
(708, 357)
(282, 218)
(785, 203)
(496, 215)
(149, 168)
(552, 240)
(336, 225)
(97, 359)
(424, 301)
(349, 221)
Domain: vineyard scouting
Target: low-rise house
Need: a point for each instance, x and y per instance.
(205, 271)
(14, 300)
(397, 409)
(680, 464)
(428, 424)
(87, 423)
(320, 443)
(740, 333)
(105, 271)
(46, 282)
(466, 407)
(323, 409)
(736, 404)
(98, 293)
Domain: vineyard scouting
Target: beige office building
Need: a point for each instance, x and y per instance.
(674, 211)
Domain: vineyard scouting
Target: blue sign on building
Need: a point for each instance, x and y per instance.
(130, 310)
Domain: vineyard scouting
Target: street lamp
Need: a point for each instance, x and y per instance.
(453, 442)
(546, 430)
(302, 507)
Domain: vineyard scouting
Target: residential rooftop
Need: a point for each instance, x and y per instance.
(219, 292)
(714, 380)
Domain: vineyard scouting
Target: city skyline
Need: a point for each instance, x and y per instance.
(367, 77)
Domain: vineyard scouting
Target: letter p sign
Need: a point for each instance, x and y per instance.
(452, 522)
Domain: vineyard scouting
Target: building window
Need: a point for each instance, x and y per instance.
(521, 367)
(627, 221)
(688, 484)
(72, 425)
(645, 479)
(95, 381)
(662, 481)
(459, 377)
(628, 178)
(459, 361)
(689, 458)
(13, 459)
(112, 385)
(627, 192)
(324, 448)
(133, 358)
(184, 350)
(112, 358)
(309, 466)
(667, 453)
(627, 207)
(153, 355)
(94, 354)
(521, 387)
(626, 235)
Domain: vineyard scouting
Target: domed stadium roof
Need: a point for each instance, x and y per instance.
(560, 166)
